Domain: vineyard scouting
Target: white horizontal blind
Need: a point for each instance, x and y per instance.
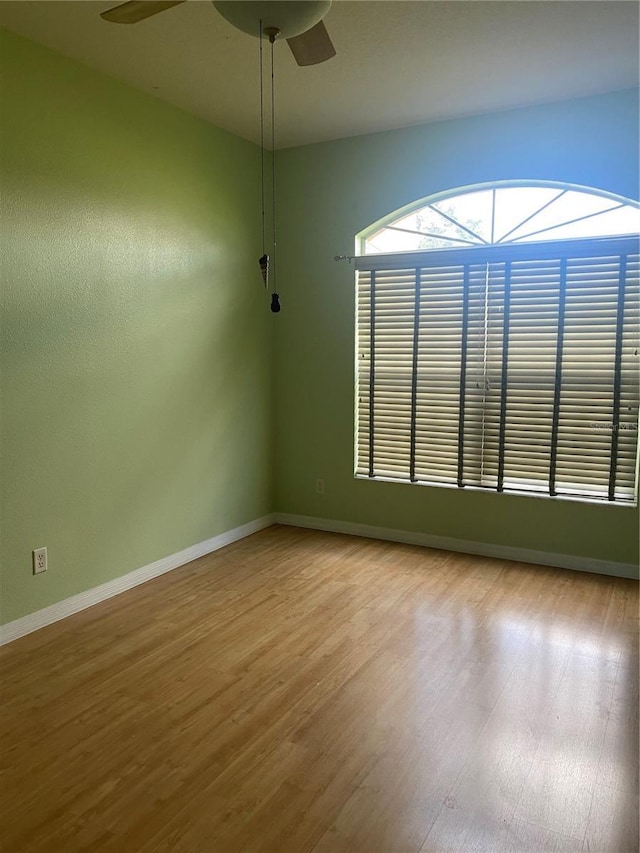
(509, 368)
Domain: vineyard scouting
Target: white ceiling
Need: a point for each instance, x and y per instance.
(398, 63)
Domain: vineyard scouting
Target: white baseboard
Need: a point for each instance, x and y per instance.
(33, 621)
(504, 552)
(62, 609)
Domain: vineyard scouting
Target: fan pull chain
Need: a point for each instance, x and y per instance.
(263, 261)
(275, 299)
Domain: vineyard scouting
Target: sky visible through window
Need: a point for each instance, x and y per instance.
(506, 215)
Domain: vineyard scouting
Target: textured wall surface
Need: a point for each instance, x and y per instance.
(135, 330)
(330, 192)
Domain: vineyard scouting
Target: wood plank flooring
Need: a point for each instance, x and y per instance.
(305, 692)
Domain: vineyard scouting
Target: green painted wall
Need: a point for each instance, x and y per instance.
(136, 336)
(331, 191)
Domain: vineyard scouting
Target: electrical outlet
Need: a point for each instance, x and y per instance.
(320, 486)
(39, 560)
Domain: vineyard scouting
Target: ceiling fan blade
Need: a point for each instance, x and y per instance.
(312, 47)
(137, 10)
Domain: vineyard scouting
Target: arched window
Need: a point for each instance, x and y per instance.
(497, 342)
(503, 214)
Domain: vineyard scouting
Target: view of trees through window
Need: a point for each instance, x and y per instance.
(505, 215)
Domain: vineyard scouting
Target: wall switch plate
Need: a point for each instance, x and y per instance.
(320, 486)
(39, 560)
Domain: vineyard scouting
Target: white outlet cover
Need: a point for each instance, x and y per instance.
(39, 560)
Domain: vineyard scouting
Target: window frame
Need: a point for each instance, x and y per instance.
(415, 206)
(534, 251)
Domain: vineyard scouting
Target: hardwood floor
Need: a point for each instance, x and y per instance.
(305, 692)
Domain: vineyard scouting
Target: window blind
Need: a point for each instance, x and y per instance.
(512, 368)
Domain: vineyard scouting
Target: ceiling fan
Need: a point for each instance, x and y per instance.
(298, 21)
